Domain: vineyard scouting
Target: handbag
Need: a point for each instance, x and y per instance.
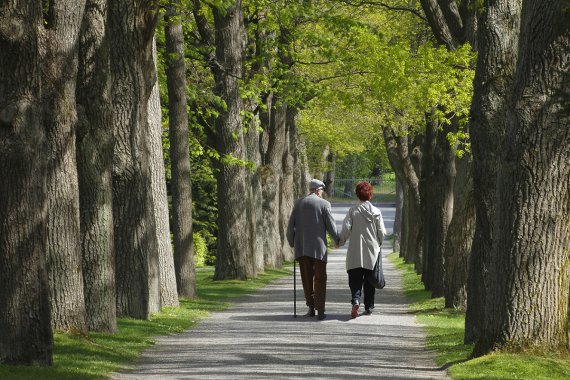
(376, 277)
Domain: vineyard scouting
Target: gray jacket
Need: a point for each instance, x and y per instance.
(364, 226)
(308, 225)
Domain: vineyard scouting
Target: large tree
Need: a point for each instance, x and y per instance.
(168, 292)
(497, 40)
(131, 34)
(453, 24)
(60, 45)
(181, 183)
(25, 330)
(95, 141)
(529, 269)
(457, 247)
(234, 258)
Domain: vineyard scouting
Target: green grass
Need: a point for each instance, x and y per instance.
(445, 329)
(95, 356)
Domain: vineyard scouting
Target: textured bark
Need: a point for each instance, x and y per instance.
(438, 210)
(168, 291)
(404, 234)
(329, 177)
(254, 200)
(321, 168)
(453, 22)
(428, 194)
(445, 33)
(25, 329)
(398, 216)
(459, 237)
(132, 69)
(234, 259)
(272, 183)
(181, 183)
(406, 166)
(414, 227)
(60, 49)
(95, 164)
(497, 40)
(529, 272)
(295, 176)
(297, 151)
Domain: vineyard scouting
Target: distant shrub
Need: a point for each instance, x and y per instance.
(204, 248)
(200, 249)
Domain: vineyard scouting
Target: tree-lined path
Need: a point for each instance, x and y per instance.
(258, 338)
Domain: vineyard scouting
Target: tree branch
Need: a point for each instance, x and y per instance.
(360, 3)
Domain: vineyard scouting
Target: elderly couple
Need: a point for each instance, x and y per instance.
(306, 232)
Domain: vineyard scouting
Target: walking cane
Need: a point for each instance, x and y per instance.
(294, 289)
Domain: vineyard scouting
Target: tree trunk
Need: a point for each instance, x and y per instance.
(272, 183)
(181, 183)
(428, 193)
(234, 257)
(397, 231)
(25, 329)
(254, 201)
(497, 37)
(295, 176)
(406, 166)
(440, 179)
(60, 49)
(404, 233)
(168, 291)
(297, 151)
(330, 174)
(529, 272)
(132, 69)
(322, 166)
(414, 226)
(95, 162)
(459, 238)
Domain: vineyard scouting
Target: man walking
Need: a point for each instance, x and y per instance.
(310, 220)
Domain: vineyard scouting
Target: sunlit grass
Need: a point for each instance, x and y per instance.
(95, 356)
(445, 328)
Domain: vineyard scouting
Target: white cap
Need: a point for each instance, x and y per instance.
(315, 184)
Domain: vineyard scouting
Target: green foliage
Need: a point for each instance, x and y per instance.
(375, 69)
(371, 162)
(96, 356)
(200, 249)
(445, 330)
(205, 205)
(204, 248)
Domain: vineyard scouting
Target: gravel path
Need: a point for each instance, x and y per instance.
(258, 338)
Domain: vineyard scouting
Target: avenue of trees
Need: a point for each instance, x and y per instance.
(111, 108)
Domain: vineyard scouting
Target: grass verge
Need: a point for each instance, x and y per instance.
(445, 329)
(95, 356)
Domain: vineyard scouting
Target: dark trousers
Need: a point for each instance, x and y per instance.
(314, 278)
(357, 281)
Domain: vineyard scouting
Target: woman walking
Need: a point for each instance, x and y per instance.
(364, 226)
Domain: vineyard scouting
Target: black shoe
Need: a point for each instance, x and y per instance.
(368, 311)
(322, 315)
(311, 312)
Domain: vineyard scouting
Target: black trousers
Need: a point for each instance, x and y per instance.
(357, 282)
